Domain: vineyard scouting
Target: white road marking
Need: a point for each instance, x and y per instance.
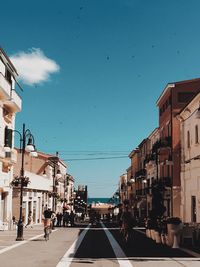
(120, 255)
(20, 243)
(69, 255)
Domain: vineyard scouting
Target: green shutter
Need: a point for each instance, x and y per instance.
(8, 136)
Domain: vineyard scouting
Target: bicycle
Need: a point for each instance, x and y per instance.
(47, 231)
(126, 231)
(47, 228)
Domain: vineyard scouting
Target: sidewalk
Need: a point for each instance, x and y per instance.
(191, 250)
(8, 237)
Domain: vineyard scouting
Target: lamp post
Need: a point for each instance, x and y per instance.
(22, 180)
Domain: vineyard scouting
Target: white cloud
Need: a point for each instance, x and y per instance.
(33, 66)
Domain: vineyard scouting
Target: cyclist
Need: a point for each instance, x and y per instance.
(127, 223)
(47, 220)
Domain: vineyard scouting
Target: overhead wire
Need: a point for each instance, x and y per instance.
(100, 158)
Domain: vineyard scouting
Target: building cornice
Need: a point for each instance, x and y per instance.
(7, 62)
(164, 92)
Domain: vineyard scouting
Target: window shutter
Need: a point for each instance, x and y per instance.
(8, 137)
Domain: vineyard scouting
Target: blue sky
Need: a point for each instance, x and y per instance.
(102, 64)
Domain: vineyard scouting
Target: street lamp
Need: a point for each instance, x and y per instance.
(22, 180)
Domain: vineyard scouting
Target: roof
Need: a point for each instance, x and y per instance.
(7, 61)
(47, 156)
(133, 152)
(173, 84)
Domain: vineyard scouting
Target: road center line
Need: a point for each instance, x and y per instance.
(120, 255)
(69, 255)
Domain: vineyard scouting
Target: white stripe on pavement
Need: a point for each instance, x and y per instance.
(69, 255)
(19, 243)
(120, 255)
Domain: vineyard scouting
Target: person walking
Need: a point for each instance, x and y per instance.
(71, 218)
(30, 220)
(59, 219)
(65, 219)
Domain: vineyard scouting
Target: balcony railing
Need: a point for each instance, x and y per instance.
(167, 181)
(9, 95)
(164, 142)
(149, 158)
(162, 183)
(140, 173)
(5, 87)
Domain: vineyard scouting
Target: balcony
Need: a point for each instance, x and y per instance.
(166, 142)
(162, 183)
(167, 181)
(163, 143)
(15, 102)
(8, 158)
(150, 159)
(141, 173)
(5, 87)
(9, 95)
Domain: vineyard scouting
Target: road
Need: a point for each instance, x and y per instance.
(99, 245)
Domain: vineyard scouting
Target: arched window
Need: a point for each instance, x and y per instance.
(196, 134)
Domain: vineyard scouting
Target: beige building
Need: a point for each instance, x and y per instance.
(69, 195)
(47, 187)
(10, 104)
(190, 161)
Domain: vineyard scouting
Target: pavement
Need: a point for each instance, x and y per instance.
(193, 251)
(8, 237)
(140, 248)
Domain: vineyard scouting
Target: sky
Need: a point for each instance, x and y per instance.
(92, 71)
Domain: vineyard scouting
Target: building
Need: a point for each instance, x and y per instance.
(173, 99)
(69, 192)
(10, 104)
(151, 166)
(46, 174)
(134, 156)
(190, 161)
(81, 199)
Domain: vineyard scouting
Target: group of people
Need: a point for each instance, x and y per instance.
(65, 219)
(54, 219)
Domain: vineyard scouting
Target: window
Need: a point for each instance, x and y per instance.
(8, 76)
(188, 139)
(193, 209)
(196, 134)
(169, 129)
(8, 137)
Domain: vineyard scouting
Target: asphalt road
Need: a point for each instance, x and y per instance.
(90, 246)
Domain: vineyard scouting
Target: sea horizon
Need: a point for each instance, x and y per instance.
(98, 199)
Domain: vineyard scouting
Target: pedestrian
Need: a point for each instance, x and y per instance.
(65, 219)
(30, 220)
(59, 219)
(71, 217)
(53, 217)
